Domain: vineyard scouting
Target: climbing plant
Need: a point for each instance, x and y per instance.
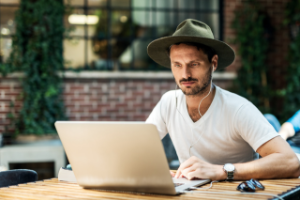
(253, 33)
(292, 90)
(37, 51)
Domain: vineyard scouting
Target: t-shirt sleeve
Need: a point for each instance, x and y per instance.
(158, 120)
(253, 126)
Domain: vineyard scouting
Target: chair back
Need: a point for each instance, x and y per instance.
(17, 176)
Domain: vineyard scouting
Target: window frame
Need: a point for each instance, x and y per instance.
(86, 8)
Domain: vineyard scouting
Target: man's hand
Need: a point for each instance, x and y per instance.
(172, 173)
(195, 168)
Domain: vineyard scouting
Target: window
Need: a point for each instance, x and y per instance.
(113, 35)
(117, 39)
(7, 26)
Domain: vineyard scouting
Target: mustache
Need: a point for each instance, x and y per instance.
(189, 79)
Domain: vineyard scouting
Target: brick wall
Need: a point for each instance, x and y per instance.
(9, 91)
(112, 99)
(99, 99)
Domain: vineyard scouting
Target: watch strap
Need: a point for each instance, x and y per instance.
(230, 176)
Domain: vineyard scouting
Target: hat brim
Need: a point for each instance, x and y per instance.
(158, 49)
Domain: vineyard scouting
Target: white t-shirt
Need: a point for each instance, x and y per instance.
(228, 132)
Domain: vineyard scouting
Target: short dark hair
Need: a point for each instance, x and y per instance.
(210, 52)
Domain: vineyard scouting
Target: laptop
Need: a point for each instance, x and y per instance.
(120, 156)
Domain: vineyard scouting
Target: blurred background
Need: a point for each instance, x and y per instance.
(87, 60)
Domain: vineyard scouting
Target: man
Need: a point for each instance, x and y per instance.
(214, 132)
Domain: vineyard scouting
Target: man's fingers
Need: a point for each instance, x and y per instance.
(188, 162)
(172, 173)
(192, 174)
(184, 165)
(178, 173)
(189, 169)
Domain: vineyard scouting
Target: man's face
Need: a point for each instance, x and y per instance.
(191, 69)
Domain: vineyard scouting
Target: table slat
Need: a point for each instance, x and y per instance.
(53, 189)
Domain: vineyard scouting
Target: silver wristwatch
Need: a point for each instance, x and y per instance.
(229, 170)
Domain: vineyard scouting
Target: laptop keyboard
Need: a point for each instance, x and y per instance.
(178, 184)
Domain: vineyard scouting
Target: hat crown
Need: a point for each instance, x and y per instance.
(190, 30)
(193, 28)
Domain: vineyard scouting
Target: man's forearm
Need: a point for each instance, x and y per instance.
(278, 161)
(276, 165)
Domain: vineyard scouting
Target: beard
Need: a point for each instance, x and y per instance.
(199, 88)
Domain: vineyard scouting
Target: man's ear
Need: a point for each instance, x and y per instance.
(214, 61)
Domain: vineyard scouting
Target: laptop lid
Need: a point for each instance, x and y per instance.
(123, 156)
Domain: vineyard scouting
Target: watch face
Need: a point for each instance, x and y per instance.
(229, 167)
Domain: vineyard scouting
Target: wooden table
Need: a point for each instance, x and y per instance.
(54, 189)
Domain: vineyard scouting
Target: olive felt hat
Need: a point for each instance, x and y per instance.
(190, 30)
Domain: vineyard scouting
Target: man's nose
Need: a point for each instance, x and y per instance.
(186, 72)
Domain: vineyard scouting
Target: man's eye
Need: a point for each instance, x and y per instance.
(195, 64)
(177, 65)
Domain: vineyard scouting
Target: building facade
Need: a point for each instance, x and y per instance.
(118, 81)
